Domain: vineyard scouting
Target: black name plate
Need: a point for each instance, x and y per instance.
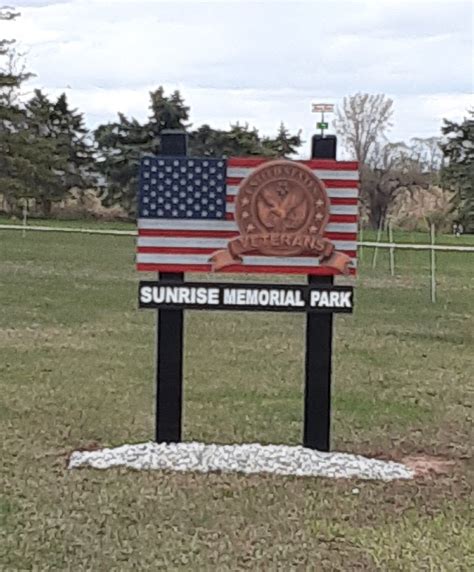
(231, 296)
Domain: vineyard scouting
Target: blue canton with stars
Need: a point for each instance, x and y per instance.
(182, 187)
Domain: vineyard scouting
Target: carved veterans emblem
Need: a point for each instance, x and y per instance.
(281, 209)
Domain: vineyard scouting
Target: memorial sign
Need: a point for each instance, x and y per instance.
(248, 216)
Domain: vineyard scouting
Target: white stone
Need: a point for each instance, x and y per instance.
(246, 458)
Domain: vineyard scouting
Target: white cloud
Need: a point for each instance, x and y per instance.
(260, 62)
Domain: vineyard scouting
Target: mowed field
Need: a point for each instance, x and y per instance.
(76, 370)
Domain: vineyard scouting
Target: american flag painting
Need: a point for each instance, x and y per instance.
(186, 213)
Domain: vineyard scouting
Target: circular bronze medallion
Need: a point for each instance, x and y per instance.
(282, 200)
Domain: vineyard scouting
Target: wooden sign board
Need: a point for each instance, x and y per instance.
(247, 215)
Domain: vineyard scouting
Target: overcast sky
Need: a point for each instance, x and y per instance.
(255, 62)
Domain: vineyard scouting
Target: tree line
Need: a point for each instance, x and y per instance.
(46, 150)
(390, 168)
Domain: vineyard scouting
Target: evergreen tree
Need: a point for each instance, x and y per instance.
(242, 141)
(206, 142)
(12, 120)
(239, 140)
(46, 177)
(284, 144)
(166, 113)
(10, 79)
(33, 150)
(68, 126)
(458, 174)
(120, 145)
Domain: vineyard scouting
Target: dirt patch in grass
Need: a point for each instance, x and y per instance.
(427, 465)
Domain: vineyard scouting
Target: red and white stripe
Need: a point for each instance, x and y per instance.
(177, 245)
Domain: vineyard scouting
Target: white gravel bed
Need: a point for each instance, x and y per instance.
(247, 458)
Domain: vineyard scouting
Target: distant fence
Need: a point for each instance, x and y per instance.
(417, 246)
(68, 229)
(398, 245)
(392, 246)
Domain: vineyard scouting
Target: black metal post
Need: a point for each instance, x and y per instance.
(169, 370)
(169, 338)
(317, 398)
(317, 395)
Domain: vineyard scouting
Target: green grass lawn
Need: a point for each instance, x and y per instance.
(76, 368)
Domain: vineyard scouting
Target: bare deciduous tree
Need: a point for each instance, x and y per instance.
(386, 168)
(394, 167)
(362, 123)
(428, 153)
